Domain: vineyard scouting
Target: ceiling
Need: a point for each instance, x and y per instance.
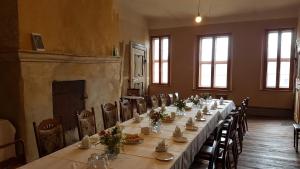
(181, 9)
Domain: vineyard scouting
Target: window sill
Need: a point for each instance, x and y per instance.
(160, 85)
(212, 90)
(277, 90)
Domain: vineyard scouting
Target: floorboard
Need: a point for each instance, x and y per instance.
(269, 145)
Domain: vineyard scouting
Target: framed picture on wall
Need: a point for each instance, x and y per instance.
(37, 42)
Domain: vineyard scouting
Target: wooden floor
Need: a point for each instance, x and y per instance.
(269, 145)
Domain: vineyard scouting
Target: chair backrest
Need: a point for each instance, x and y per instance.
(227, 135)
(246, 101)
(110, 114)
(215, 154)
(176, 96)
(163, 100)
(154, 102)
(125, 110)
(171, 98)
(218, 130)
(133, 92)
(49, 136)
(86, 123)
(141, 106)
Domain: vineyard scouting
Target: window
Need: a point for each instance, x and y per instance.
(213, 56)
(278, 59)
(160, 60)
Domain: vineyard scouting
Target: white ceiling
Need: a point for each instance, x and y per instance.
(182, 9)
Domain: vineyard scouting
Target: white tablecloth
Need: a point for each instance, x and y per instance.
(7, 135)
(141, 156)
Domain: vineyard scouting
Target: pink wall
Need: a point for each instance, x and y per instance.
(247, 57)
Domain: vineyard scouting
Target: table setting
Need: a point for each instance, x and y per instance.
(167, 137)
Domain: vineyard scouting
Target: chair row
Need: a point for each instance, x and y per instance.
(50, 135)
(223, 147)
(164, 99)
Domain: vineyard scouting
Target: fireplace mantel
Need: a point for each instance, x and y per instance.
(36, 56)
(31, 56)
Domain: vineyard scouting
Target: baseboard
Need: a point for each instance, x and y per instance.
(270, 112)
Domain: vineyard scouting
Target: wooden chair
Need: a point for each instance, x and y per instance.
(109, 114)
(214, 151)
(141, 106)
(296, 135)
(246, 104)
(233, 143)
(133, 92)
(163, 100)
(154, 102)
(221, 155)
(16, 161)
(86, 123)
(50, 136)
(171, 99)
(176, 96)
(125, 110)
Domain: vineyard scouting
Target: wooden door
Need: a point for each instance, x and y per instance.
(68, 98)
(138, 64)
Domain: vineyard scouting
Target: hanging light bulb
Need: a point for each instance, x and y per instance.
(198, 18)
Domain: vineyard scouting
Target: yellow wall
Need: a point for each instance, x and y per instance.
(133, 27)
(77, 27)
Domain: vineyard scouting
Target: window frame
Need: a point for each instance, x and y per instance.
(213, 62)
(278, 60)
(160, 60)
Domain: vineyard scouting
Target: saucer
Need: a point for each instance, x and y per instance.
(80, 146)
(202, 119)
(165, 156)
(180, 139)
(191, 128)
(208, 113)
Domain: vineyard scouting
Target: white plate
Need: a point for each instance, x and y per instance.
(202, 119)
(180, 139)
(191, 128)
(165, 156)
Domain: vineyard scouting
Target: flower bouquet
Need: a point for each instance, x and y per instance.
(156, 117)
(180, 104)
(112, 139)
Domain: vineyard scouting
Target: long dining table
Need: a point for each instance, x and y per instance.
(142, 156)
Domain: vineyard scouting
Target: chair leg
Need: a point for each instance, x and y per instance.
(297, 138)
(240, 138)
(228, 162)
(246, 122)
(294, 136)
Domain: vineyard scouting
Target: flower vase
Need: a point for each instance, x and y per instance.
(156, 126)
(112, 151)
(180, 112)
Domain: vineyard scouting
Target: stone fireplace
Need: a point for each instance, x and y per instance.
(33, 74)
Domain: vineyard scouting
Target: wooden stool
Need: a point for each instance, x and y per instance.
(296, 135)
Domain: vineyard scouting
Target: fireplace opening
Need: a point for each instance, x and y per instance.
(68, 99)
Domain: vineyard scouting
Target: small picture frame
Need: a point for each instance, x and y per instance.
(37, 42)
